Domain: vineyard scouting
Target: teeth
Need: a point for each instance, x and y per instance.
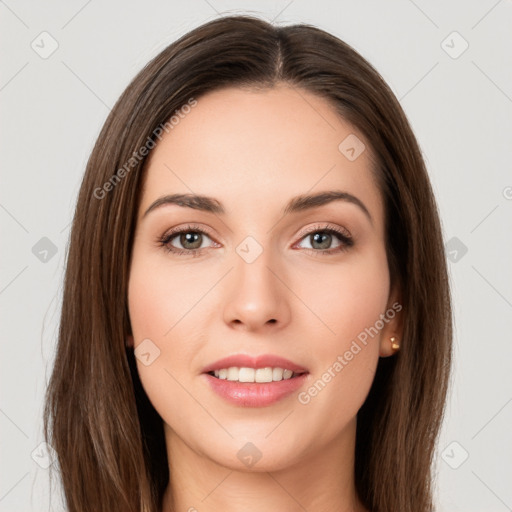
(267, 374)
(263, 375)
(233, 373)
(246, 374)
(277, 374)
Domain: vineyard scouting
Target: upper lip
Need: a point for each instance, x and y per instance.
(261, 361)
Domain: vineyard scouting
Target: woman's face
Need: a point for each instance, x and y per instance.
(257, 272)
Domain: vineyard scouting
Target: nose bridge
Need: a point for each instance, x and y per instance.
(252, 269)
(257, 296)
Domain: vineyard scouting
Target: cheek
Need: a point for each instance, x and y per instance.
(160, 297)
(161, 300)
(349, 305)
(347, 298)
(163, 304)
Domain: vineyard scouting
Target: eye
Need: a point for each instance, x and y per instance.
(327, 240)
(188, 240)
(191, 240)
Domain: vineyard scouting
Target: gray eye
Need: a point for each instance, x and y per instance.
(321, 240)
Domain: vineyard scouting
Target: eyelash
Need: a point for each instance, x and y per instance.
(343, 236)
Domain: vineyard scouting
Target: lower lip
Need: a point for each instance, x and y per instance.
(254, 394)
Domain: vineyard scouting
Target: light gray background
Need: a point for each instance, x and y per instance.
(460, 109)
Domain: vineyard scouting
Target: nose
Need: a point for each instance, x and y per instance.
(257, 299)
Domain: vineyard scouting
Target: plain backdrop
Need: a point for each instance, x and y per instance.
(65, 63)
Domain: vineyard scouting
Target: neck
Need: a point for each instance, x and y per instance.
(322, 481)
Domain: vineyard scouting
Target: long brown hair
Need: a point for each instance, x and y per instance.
(108, 438)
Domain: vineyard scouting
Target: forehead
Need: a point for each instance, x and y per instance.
(253, 147)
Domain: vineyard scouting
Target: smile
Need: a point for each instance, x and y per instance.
(260, 375)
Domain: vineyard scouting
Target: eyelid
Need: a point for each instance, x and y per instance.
(188, 227)
(323, 226)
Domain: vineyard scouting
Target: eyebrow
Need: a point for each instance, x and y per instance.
(296, 204)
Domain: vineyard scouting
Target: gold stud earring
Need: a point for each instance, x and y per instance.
(394, 344)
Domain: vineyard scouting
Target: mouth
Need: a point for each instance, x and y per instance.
(254, 381)
(255, 394)
(258, 375)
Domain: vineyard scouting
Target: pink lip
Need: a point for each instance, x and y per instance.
(263, 361)
(254, 394)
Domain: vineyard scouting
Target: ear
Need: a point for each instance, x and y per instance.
(393, 323)
(129, 342)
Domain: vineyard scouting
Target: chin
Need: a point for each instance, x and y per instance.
(256, 456)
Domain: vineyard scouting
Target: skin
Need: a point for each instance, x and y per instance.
(254, 150)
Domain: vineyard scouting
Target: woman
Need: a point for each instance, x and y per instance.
(256, 311)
